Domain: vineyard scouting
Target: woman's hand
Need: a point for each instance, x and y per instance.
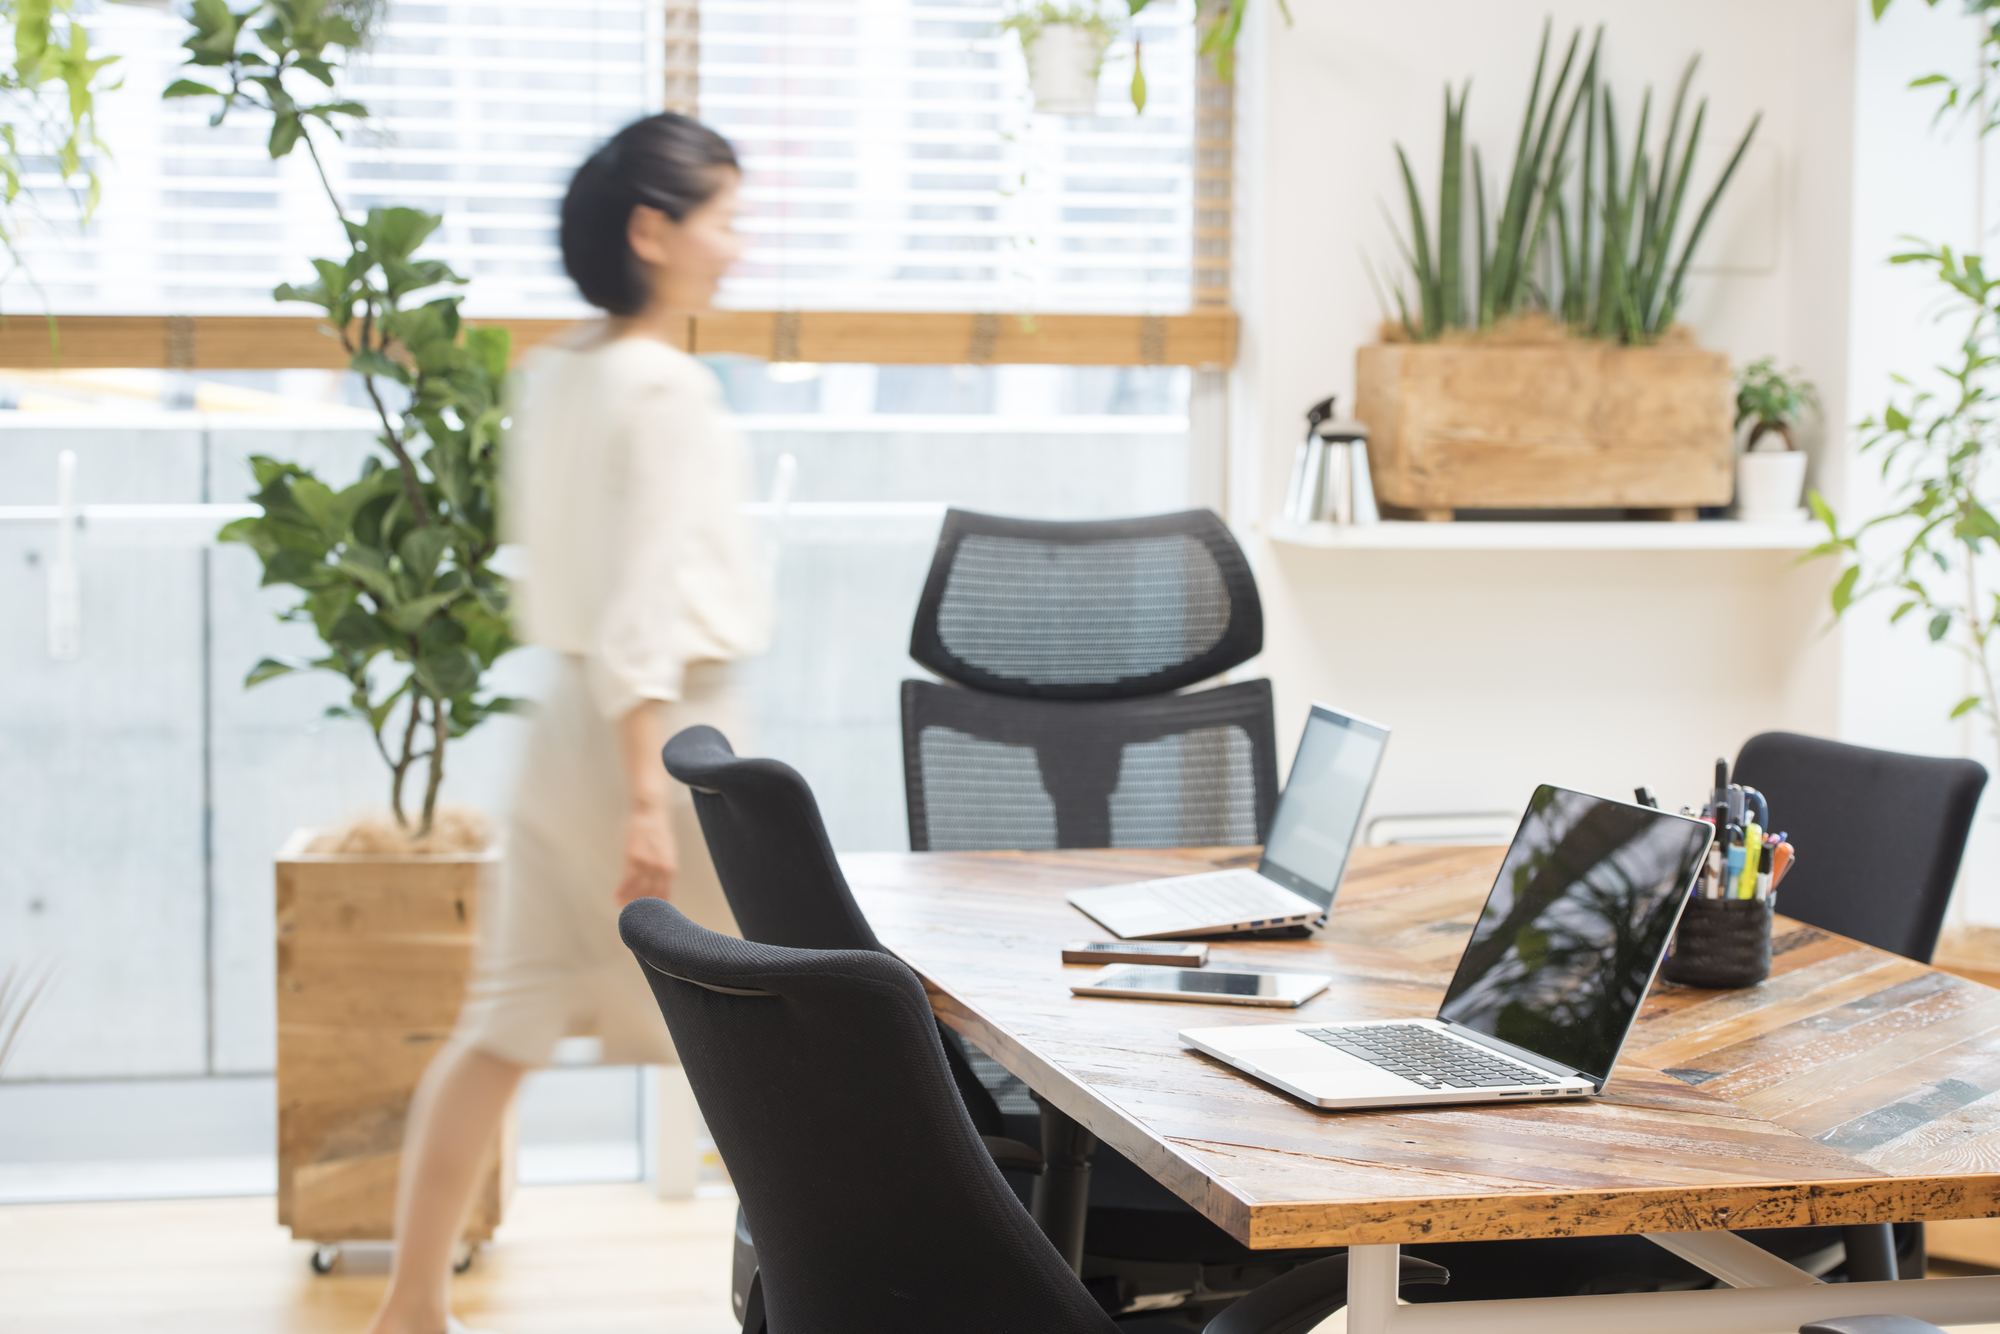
(652, 857)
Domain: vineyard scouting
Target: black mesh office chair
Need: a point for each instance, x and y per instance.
(1879, 834)
(986, 771)
(785, 887)
(1103, 609)
(792, 1055)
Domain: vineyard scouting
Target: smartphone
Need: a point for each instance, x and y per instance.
(1209, 985)
(1172, 953)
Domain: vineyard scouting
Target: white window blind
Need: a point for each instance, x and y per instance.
(893, 161)
(481, 112)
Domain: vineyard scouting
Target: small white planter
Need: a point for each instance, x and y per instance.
(1769, 485)
(1063, 63)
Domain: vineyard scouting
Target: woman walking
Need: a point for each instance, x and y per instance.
(625, 485)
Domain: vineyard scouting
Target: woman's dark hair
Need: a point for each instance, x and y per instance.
(668, 162)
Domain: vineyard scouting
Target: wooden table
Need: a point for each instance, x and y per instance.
(1853, 1087)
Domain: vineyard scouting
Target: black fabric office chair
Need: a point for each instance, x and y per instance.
(987, 771)
(1103, 609)
(792, 1054)
(1879, 834)
(785, 887)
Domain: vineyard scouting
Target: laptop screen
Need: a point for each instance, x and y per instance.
(1575, 926)
(1313, 830)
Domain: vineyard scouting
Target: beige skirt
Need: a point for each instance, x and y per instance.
(550, 964)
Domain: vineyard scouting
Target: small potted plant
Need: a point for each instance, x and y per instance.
(1771, 470)
(1064, 46)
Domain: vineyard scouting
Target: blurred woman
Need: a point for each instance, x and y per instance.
(626, 479)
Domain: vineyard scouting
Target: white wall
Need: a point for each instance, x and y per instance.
(1501, 670)
(1603, 670)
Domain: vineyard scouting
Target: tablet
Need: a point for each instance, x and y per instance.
(1208, 985)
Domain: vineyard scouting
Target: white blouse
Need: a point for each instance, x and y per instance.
(625, 482)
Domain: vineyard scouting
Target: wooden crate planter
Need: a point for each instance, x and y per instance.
(1575, 425)
(373, 957)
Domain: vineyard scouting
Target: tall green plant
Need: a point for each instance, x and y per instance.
(1933, 447)
(1934, 451)
(48, 108)
(1591, 240)
(395, 568)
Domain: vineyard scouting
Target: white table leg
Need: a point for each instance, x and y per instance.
(1739, 1263)
(1776, 1310)
(672, 1129)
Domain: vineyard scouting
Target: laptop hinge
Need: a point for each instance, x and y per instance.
(1553, 1068)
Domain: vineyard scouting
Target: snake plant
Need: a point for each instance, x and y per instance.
(1590, 239)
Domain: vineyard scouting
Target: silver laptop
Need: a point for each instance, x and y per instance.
(1312, 833)
(1560, 959)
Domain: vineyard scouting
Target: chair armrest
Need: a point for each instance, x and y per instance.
(1011, 1155)
(1295, 1302)
(1870, 1324)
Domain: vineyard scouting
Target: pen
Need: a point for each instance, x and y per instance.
(1732, 869)
(1781, 862)
(1764, 872)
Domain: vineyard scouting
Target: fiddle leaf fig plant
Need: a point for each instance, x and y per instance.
(394, 568)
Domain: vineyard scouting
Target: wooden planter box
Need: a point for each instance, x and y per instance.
(1546, 426)
(373, 957)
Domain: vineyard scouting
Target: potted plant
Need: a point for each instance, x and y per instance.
(1536, 362)
(1064, 46)
(1771, 470)
(375, 922)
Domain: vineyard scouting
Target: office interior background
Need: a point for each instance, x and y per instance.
(895, 163)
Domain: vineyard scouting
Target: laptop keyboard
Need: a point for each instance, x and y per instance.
(1426, 1056)
(1224, 896)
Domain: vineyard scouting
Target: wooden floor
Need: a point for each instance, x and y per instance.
(569, 1259)
(575, 1259)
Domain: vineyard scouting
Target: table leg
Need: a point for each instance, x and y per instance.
(1062, 1191)
(1871, 1252)
(1371, 1288)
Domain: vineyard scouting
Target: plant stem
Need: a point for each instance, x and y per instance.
(440, 733)
(402, 765)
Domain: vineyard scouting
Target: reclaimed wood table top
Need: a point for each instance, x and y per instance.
(1853, 1086)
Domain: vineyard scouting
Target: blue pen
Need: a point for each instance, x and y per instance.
(1732, 870)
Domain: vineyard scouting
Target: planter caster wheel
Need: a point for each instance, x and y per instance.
(324, 1258)
(463, 1261)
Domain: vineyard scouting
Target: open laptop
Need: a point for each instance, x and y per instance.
(1312, 833)
(1559, 961)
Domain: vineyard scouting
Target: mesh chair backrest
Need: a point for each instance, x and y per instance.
(1879, 834)
(769, 846)
(984, 771)
(1105, 609)
(865, 1222)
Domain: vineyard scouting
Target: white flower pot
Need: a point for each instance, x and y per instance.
(1063, 62)
(1769, 485)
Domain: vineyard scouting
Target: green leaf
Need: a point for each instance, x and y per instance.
(1823, 512)
(1901, 611)
(286, 131)
(1843, 590)
(422, 549)
(1940, 626)
(449, 670)
(189, 88)
(1965, 706)
(266, 670)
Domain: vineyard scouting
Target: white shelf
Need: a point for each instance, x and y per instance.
(1634, 535)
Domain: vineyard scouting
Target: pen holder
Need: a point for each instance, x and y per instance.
(1721, 943)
